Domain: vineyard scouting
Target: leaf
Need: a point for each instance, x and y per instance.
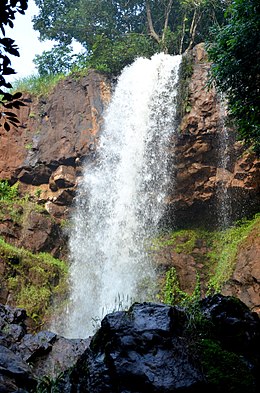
(17, 95)
(9, 113)
(17, 104)
(8, 71)
(15, 125)
(8, 97)
(14, 120)
(7, 126)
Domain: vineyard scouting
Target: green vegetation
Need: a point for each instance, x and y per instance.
(112, 56)
(172, 293)
(8, 47)
(17, 207)
(234, 51)
(37, 85)
(33, 280)
(228, 372)
(181, 241)
(7, 192)
(113, 33)
(216, 263)
(186, 71)
(225, 246)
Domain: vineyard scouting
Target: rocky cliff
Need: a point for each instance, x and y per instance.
(215, 180)
(59, 132)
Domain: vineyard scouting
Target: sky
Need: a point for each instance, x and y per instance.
(28, 42)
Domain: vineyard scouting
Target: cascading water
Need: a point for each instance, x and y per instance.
(120, 201)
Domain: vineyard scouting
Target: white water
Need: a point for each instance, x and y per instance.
(120, 201)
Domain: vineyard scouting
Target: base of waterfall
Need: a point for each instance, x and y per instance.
(152, 348)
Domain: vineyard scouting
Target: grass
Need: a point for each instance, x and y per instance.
(37, 85)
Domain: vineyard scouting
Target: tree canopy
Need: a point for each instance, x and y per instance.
(173, 26)
(235, 52)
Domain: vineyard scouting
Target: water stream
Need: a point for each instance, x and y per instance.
(121, 199)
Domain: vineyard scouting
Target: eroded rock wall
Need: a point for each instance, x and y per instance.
(214, 178)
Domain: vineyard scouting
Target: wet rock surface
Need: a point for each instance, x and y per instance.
(26, 358)
(149, 348)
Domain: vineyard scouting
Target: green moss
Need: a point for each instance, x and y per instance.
(33, 280)
(216, 262)
(224, 370)
(180, 241)
(186, 71)
(225, 246)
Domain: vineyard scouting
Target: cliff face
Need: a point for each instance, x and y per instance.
(54, 131)
(215, 179)
(210, 171)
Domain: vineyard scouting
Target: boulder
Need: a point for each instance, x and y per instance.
(63, 177)
(153, 348)
(158, 348)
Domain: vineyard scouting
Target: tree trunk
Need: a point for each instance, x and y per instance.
(151, 30)
(166, 22)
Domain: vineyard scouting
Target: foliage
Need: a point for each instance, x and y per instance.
(185, 74)
(49, 385)
(58, 60)
(224, 251)
(112, 56)
(115, 32)
(8, 9)
(217, 262)
(7, 192)
(33, 279)
(173, 294)
(83, 20)
(236, 69)
(181, 241)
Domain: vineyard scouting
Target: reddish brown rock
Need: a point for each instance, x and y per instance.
(210, 169)
(55, 130)
(245, 281)
(63, 177)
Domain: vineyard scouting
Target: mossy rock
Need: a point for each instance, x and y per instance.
(33, 281)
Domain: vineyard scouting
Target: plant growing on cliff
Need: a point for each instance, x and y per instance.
(33, 280)
(7, 192)
(38, 85)
(224, 252)
(173, 294)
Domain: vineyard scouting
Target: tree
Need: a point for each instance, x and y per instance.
(174, 25)
(8, 101)
(235, 53)
(84, 20)
(58, 60)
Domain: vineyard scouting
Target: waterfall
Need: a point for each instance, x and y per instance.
(121, 199)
